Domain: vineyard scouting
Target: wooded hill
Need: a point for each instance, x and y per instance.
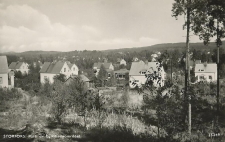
(157, 47)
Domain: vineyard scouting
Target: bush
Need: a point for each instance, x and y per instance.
(7, 95)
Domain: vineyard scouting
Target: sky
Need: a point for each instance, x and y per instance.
(68, 25)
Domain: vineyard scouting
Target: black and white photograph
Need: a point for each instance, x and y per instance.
(112, 70)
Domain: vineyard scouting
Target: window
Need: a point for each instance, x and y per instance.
(136, 81)
(109, 75)
(210, 77)
(64, 69)
(73, 69)
(201, 77)
(1, 81)
(45, 77)
(143, 72)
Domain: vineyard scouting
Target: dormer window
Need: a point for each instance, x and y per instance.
(64, 69)
(73, 69)
(143, 72)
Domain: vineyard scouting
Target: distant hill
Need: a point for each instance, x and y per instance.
(168, 46)
(157, 47)
(39, 52)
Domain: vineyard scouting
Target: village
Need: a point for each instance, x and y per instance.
(136, 76)
(112, 71)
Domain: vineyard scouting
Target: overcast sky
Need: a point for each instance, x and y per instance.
(66, 25)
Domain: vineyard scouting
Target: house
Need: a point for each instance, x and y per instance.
(19, 66)
(73, 67)
(86, 81)
(206, 72)
(120, 74)
(6, 76)
(123, 62)
(108, 67)
(135, 59)
(49, 70)
(35, 64)
(140, 70)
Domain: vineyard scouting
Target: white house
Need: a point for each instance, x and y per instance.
(206, 72)
(73, 67)
(139, 71)
(6, 76)
(35, 64)
(19, 66)
(49, 70)
(123, 62)
(135, 59)
(108, 66)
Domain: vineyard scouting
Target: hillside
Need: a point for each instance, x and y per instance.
(168, 46)
(157, 47)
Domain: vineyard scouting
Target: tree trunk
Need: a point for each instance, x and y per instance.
(187, 79)
(218, 81)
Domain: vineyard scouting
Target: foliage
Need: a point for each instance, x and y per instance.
(61, 77)
(7, 95)
(18, 74)
(60, 101)
(102, 75)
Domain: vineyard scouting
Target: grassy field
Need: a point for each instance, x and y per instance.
(29, 115)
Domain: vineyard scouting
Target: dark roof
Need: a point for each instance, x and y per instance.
(3, 65)
(15, 65)
(122, 71)
(54, 67)
(82, 77)
(99, 64)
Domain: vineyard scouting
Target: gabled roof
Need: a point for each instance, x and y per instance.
(15, 65)
(206, 67)
(54, 67)
(137, 67)
(70, 64)
(122, 71)
(3, 65)
(84, 78)
(99, 64)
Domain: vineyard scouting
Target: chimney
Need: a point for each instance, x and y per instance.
(205, 64)
(146, 62)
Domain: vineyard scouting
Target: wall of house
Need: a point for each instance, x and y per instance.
(74, 70)
(141, 79)
(206, 76)
(111, 67)
(97, 71)
(123, 62)
(4, 82)
(49, 76)
(23, 68)
(67, 72)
